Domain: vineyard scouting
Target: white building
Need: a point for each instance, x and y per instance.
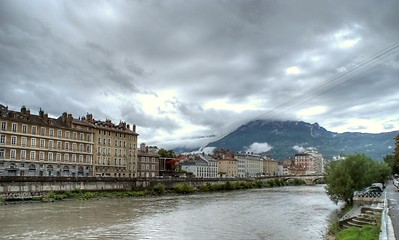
(249, 164)
(201, 166)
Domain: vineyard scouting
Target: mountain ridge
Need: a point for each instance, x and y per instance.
(284, 136)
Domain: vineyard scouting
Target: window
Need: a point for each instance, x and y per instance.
(88, 148)
(23, 141)
(82, 137)
(2, 153)
(14, 127)
(24, 128)
(75, 135)
(99, 140)
(81, 158)
(88, 159)
(3, 126)
(34, 130)
(2, 139)
(41, 156)
(58, 157)
(73, 157)
(50, 144)
(42, 131)
(74, 147)
(153, 167)
(67, 134)
(33, 142)
(59, 145)
(13, 153)
(66, 157)
(50, 156)
(59, 133)
(42, 143)
(51, 132)
(88, 138)
(23, 154)
(32, 155)
(81, 147)
(67, 146)
(13, 140)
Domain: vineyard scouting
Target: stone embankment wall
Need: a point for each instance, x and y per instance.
(14, 188)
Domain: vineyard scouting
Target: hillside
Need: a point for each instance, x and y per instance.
(283, 136)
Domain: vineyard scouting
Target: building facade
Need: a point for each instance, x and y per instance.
(270, 166)
(147, 162)
(37, 145)
(249, 165)
(227, 164)
(201, 166)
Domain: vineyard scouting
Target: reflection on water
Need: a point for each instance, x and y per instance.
(273, 213)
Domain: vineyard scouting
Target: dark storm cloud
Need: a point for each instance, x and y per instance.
(201, 66)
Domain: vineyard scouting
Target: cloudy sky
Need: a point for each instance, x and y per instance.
(182, 70)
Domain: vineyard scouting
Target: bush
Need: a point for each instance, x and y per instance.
(183, 188)
(367, 232)
(159, 189)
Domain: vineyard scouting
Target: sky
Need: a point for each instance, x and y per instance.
(189, 72)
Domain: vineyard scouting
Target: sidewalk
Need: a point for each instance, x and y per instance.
(393, 199)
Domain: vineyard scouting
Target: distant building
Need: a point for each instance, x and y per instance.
(148, 162)
(249, 164)
(37, 145)
(227, 164)
(201, 166)
(270, 166)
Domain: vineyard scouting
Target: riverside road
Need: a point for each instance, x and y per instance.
(393, 198)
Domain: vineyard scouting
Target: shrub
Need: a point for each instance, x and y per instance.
(183, 188)
(159, 189)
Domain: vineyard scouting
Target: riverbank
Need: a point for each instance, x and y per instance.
(158, 189)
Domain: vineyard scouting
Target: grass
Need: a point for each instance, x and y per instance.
(367, 232)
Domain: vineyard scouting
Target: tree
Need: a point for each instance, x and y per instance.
(355, 172)
(166, 153)
(393, 162)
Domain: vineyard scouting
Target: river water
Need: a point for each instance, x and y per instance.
(274, 213)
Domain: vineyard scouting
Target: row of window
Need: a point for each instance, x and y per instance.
(116, 143)
(42, 144)
(147, 167)
(117, 134)
(34, 131)
(147, 159)
(42, 156)
(117, 152)
(108, 161)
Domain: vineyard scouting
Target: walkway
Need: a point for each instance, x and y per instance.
(393, 198)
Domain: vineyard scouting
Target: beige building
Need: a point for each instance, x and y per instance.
(37, 145)
(115, 147)
(227, 164)
(249, 164)
(270, 166)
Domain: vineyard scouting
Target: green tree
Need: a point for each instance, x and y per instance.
(393, 162)
(355, 172)
(166, 153)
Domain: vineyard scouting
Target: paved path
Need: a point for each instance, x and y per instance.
(393, 198)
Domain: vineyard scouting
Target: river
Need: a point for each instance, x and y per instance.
(271, 213)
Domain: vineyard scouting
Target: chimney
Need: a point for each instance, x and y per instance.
(128, 126)
(23, 110)
(41, 113)
(89, 117)
(69, 120)
(64, 117)
(134, 127)
(142, 147)
(28, 113)
(45, 118)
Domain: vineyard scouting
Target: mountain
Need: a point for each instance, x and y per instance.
(285, 137)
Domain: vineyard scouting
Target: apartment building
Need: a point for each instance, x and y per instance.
(249, 164)
(37, 145)
(201, 166)
(147, 162)
(227, 164)
(270, 166)
(115, 147)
